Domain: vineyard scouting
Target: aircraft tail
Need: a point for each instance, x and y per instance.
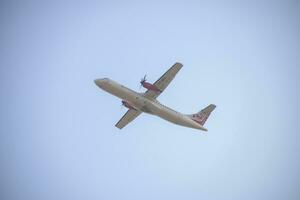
(202, 115)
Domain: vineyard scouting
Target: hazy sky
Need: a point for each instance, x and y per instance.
(57, 134)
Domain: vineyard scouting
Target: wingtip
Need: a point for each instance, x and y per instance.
(179, 64)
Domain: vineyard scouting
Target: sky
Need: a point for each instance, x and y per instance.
(57, 134)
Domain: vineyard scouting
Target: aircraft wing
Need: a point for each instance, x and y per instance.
(163, 81)
(129, 116)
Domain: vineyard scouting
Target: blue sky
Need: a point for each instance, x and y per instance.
(57, 134)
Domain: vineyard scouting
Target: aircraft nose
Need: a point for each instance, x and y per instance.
(101, 81)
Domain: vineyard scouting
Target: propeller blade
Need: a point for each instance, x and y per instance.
(144, 78)
(143, 81)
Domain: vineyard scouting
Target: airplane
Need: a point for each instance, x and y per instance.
(146, 102)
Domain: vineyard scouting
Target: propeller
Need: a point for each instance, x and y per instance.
(143, 80)
(122, 105)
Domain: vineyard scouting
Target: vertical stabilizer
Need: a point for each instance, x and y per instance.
(202, 115)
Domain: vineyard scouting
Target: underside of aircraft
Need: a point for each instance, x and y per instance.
(147, 102)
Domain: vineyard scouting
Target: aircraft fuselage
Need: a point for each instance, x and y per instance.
(147, 105)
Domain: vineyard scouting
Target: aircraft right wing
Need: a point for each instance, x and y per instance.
(129, 116)
(163, 81)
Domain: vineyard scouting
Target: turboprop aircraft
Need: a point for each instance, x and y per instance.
(146, 102)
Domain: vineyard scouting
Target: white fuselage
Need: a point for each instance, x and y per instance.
(151, 106)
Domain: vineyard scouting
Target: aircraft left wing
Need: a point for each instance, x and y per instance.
(129, 116)
(163, 81)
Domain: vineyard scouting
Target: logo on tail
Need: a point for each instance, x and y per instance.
(203, 115)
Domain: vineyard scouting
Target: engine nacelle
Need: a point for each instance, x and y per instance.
(150, 86)
(128, 105)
